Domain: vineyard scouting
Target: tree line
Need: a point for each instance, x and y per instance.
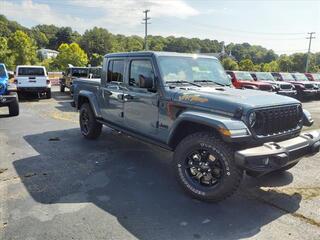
(18, 45)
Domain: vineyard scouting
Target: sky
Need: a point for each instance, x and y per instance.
(274, 24)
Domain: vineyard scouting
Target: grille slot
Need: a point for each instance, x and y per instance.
(285, 86)
(308, 86)
(279, 120)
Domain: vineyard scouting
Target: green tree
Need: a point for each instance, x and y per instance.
(40, 38)
(5, 53)
(230, 64)
(246, 65)
(133, 43)
(96, 42)
(270, 67)
(96, 60)
(299, 62)
(285, 63)
(63, 35)
(70, 54)
(23, 48)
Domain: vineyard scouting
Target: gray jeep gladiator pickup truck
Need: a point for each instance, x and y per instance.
(186, 103)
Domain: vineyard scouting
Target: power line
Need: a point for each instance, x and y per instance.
(145, 22)
(310, 39)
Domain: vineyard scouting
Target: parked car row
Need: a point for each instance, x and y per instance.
(297, 85)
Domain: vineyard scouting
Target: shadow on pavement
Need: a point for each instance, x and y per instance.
(64, 101)
(133, 181)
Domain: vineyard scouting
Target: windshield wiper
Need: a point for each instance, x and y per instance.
(210, 81)
(184, 81)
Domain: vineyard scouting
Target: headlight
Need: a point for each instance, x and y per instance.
(252, 119)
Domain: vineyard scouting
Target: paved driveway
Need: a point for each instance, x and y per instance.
(56, 185)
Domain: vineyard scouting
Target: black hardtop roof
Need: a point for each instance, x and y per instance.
(155, 53)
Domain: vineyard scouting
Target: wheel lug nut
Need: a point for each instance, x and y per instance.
(199, 169)
(209, 170)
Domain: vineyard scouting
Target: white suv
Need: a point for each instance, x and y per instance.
(33, 79)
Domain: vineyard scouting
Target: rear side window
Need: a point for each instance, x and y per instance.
(140, 69)
(80, 72)
(31, 71)
(115, 71)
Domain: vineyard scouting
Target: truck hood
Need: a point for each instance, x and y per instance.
(227, 99)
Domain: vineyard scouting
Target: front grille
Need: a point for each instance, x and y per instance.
(265, 87)
(308, 85)
(285, 86)
(279, 120)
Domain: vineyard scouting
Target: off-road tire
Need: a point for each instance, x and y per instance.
(62, 88)
(92, 128)
(231, 176)
(14, 106)
(48, 93)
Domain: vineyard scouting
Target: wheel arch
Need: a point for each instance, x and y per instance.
(187, 127)
(88, 97)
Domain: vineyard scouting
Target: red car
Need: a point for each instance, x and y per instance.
(313, 76)
(244, 80)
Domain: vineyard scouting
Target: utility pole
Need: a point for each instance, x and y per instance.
(145, 22)
(308, 56)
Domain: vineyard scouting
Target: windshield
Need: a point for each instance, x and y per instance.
(3, 72)
(316, 76)
(300, 77)
(264, 76)
(243, 76)
(80, 72)
(31, 71)
(287, 76)
(191, 69)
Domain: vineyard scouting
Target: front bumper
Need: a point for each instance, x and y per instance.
(309, 92)
(272, 156)
(289, 93)
(5, 100)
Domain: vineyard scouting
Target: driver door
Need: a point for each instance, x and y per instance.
(140, 103)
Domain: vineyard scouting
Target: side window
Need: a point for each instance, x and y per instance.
(115, 71)
(139, 71)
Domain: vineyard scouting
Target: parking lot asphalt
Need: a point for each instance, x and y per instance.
(54, 184)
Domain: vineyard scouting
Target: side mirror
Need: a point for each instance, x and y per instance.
(146, 82)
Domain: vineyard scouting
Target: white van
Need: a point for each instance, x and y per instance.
(32, 79)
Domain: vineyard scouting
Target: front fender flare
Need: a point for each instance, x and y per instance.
(92, 101)
(208, 119)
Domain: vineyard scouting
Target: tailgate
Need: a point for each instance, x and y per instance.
(32, 81)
